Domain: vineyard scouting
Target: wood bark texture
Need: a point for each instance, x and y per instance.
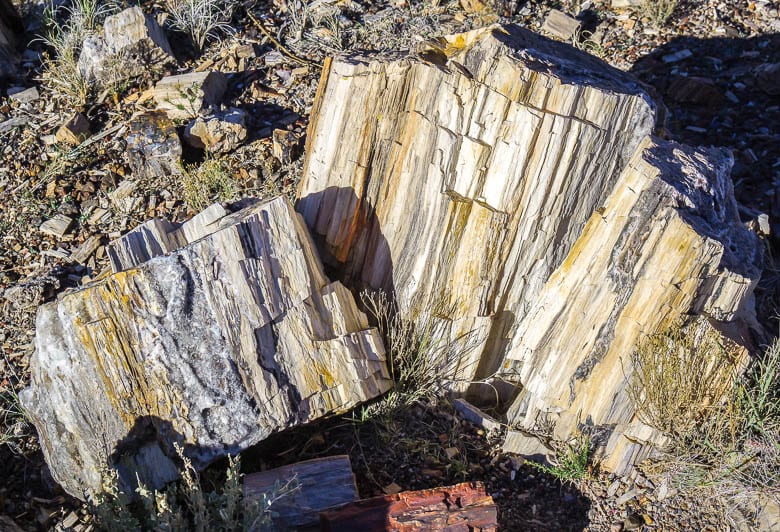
(321, 484)
(510, 184)
(464, 507)
(213, 345)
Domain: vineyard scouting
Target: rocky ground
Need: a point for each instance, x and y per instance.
(710, 62)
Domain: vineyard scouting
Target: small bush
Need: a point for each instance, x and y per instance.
(422, 359)
(570, 461)
(659, 11)
(67, 29)
(202, 20)
(206, 183)
(728, 448)
(678, 376)
(185, 506)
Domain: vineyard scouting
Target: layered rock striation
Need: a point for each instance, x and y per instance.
(512, 184)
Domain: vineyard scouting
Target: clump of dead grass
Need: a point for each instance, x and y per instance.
(659, 11)
(679, 374)
(723, 428)
(202, 20)
(67, 27)
(421, 355)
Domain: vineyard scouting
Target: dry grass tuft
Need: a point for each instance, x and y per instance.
(724, 429)
(202, 20)
(679, 375)
(208, 182)
(185, 506)
(659, 11)
(421, 355)
(68, 26)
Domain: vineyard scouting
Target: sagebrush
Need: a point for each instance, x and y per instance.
(726, 442)
(208, 182)
(185, 506)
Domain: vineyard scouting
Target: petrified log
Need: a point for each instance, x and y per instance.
(213, 346)
(509, 183)
(464, 507)
(319, 485)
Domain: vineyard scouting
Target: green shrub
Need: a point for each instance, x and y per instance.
(206, 183)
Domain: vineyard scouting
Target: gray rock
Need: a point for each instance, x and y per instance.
(561, 25)
(22, 95)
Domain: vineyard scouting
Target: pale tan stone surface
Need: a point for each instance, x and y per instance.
(512, 183)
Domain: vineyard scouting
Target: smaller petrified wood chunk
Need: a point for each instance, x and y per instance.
(153, 146)
(212, 346)
(320, 484)
(133, 31)
(465, 506)
(184, 96)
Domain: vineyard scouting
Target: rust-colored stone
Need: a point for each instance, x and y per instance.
(465, 507)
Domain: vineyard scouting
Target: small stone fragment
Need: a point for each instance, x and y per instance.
(692, 89)
(32, 291)
(23, 95)
(768, 78)
(153, 146)
(764, 227)
(85, 250)
(92, 57)
(285, 145)
(74, 131)
(476, 416)
(518, 442)
(560, 25)
(185, 95)
(222, 132)
(677, 56)
(392, 489)
(627, 496)
(622, 4)
(57, 226)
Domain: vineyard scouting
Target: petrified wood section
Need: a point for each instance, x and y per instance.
(464, 507)
(460, 177)
(667, 241)
(214, 346)
(510, 183)
(320, 484)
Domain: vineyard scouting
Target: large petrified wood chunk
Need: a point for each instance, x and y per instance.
(510, 183)
(213, 346)
(463, 174)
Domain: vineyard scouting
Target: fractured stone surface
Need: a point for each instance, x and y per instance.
(214, 345)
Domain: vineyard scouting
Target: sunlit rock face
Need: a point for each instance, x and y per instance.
(512, 185)
(212, 335)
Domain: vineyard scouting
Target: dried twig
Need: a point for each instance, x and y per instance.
(282, 48)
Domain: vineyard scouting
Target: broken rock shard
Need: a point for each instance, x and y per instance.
(513, 183)
(212, 335)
